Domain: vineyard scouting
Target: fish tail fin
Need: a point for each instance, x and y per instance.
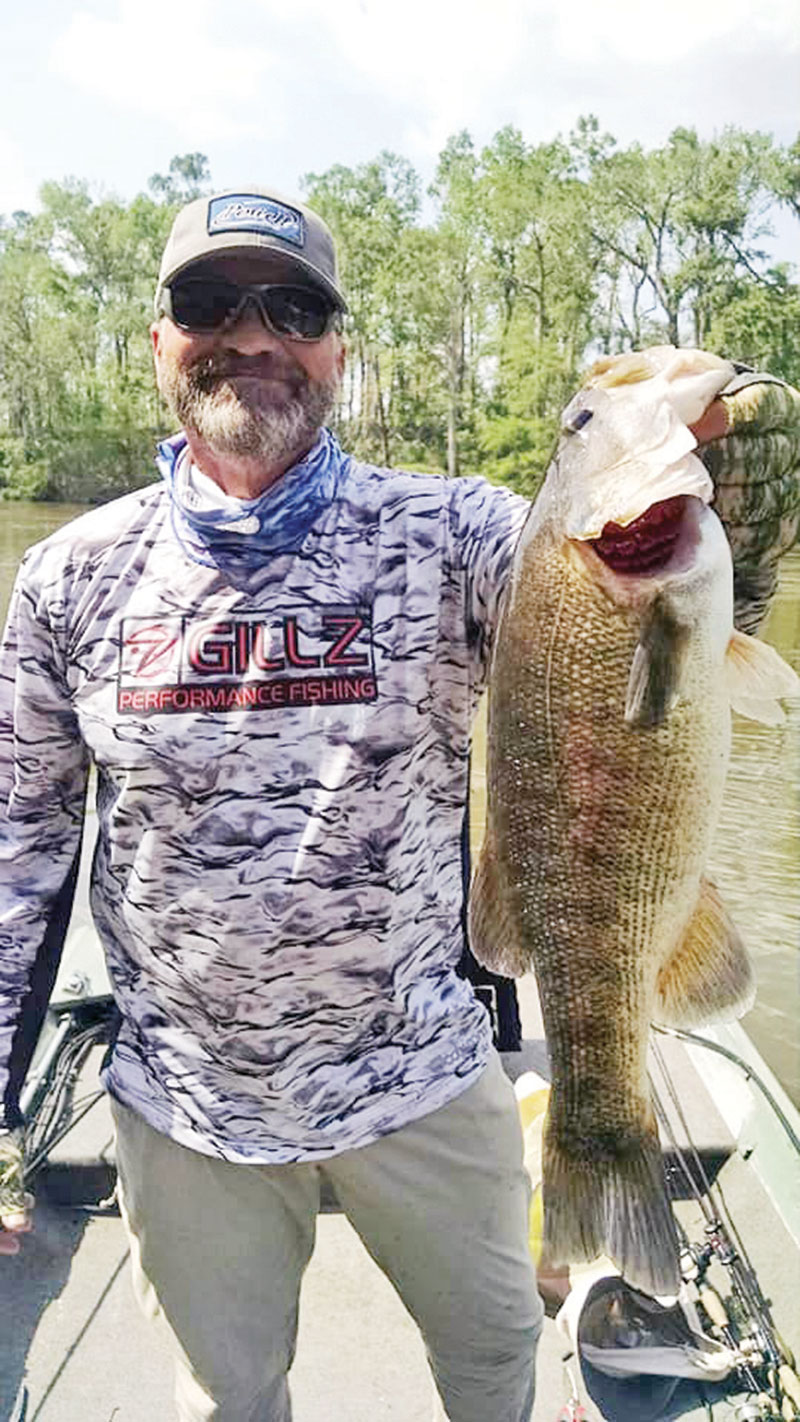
(709, 977)
(494, 935)
(615, 1204)
(757, 677)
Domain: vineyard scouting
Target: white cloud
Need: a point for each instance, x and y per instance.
(471, 63)
(589, 32)
(161, 57)
(18, 191)
(260, 84)
(453, 50)
(443, 52)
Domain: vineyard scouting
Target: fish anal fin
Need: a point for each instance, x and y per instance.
(614, 1204)
(757, 677)
(494, 928)
(656, 670)
(709, 977)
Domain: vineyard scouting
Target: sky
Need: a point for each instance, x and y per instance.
(110, 90)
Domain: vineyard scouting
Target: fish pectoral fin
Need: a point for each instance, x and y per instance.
(611, 1201)
(709, 977)
(757, 677)
(657, 667)
(494, 930)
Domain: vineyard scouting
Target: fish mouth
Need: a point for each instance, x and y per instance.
(646, 544)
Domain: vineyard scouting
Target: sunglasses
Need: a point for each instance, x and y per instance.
(206, 304)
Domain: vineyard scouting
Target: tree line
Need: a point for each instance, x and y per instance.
(474, 306)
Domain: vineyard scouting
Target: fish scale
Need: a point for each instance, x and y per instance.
(591, 870)
(608, 739)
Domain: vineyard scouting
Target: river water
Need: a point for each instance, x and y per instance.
(756, 860)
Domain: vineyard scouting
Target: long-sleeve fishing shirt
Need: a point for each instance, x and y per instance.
(279, 726)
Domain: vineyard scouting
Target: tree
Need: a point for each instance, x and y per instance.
(188, 178)
(467, 330)
(79, 410)
(368, 208)
(676, 229)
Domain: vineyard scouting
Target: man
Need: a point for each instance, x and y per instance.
(272, 660)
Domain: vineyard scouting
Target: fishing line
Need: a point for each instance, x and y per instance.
(746, 1289)
(704, 1187)
(716, 1212)
(754, 1323)
(55, 1115)
(749, 1072)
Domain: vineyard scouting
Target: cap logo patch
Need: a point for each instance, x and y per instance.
(247, 213)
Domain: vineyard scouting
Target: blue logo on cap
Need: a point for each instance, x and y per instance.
(245, 212)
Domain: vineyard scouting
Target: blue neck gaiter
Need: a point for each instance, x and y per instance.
(245, 532)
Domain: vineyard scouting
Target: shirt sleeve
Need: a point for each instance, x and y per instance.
(485, 523)
(43, 776)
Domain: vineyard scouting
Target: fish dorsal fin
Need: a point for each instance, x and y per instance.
(655, 675)
(627, 369)
(757, 677)
(709, 977)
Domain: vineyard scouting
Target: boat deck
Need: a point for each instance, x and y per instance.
(70, 1330)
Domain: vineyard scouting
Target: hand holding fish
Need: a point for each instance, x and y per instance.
(615, 668)
(714, 423)
(752, 453)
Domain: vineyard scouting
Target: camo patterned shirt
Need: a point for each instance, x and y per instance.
(281, 754)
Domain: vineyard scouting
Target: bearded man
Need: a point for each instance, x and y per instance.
(272, 659)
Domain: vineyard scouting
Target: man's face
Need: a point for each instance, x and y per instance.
(244, 390)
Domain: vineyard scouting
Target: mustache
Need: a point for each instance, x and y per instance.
(211, 370)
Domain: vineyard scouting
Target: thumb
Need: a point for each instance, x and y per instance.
(713, 423)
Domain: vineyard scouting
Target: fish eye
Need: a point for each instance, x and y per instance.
(578, 420)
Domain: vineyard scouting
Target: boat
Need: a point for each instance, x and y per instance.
(732, 1146)
(727, 1349)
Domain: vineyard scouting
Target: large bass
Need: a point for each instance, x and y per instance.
(615, 668)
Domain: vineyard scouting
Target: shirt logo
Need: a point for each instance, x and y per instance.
(245, 213)
(250, 661)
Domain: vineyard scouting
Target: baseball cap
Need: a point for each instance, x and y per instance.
(635, 1352)
(246, 221)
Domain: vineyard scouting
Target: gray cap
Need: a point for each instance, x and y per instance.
(244, 223)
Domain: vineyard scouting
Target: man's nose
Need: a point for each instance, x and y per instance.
(249, 331)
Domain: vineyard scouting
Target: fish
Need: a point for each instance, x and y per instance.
(614, 670)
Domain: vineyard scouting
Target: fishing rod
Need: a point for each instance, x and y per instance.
(48, 1101)
(764, 1363)
(749, 1072)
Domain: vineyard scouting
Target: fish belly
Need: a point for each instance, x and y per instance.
(597, 836)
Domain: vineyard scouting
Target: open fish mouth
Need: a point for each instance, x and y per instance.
(646, 544)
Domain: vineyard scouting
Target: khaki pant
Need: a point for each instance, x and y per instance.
(442, 1206)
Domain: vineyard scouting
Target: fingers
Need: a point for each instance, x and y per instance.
(713, 423)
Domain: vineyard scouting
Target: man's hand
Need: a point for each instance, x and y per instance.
(749, 440)
(15, 1204)
(713, 423)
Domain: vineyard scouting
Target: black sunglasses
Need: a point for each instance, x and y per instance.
(206, 304)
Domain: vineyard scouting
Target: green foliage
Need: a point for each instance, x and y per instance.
(468, 327)
(760, 324)
(78, 405)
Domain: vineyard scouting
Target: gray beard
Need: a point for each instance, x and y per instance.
(203, 400)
